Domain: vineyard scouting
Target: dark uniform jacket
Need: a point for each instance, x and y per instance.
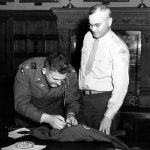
(33, 96)
(77, 133)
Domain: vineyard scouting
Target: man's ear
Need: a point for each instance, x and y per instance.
(110, 22)
(44, 70)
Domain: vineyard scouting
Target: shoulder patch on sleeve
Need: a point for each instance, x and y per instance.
(123, 51)
(28, 65)
(73, 70)
(124, 55)
(21, 69)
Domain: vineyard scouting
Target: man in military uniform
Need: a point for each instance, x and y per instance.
(46, 92)
(103, 75)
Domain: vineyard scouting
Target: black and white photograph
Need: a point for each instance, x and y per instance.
(74, 74)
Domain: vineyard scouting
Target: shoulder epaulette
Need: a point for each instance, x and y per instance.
(72, 69)
(29, 64)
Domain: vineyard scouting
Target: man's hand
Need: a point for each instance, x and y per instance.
(105, 125)
(71, 120)
(56, 121)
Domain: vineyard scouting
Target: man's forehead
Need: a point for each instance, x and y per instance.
(99, 16)
(57, 75)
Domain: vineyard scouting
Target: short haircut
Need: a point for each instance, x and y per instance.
(100, 7)
(57, 62)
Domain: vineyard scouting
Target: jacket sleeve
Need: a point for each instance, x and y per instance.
(22, 95)
(72, 93)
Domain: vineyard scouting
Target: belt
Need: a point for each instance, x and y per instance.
(88, 92)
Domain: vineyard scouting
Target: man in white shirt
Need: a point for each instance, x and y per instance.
(104, 80)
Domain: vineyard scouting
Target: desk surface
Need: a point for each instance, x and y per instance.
(135, 113)
(54, 145)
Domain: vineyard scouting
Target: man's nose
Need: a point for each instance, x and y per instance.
(58, 83)
(93, 28)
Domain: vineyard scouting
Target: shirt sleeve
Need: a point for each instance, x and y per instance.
(22, 96)
(120, 77)
(72, 93)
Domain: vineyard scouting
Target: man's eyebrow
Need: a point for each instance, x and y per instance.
(57, 79)
(95, 24)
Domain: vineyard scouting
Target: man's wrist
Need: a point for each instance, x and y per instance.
(108, 117)
(43, 117)
(71, 114)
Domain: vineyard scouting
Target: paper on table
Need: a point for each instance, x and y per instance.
(14, 134)
(13, 147)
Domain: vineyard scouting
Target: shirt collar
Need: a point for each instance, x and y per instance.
(106, 36)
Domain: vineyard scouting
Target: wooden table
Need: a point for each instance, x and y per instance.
(54, 145)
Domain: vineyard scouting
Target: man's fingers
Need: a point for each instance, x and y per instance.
(75, 122)
(61, 118)
(108, 131)
(71, 121)
(60, 125)
(105, 130)
(102, 129)
(60, 122)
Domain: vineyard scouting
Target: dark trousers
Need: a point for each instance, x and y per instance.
(93, 107)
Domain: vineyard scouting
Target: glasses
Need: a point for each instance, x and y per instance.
(97, 25)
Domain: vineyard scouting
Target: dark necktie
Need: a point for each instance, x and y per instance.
(91, 57)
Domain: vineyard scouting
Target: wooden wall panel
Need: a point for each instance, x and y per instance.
(25, 34)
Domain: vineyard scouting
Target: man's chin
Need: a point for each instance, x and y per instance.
(95, 36)
(53, 85)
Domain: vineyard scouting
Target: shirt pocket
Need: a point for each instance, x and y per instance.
(102, 67)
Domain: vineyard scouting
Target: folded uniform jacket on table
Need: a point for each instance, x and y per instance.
(77, 133)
